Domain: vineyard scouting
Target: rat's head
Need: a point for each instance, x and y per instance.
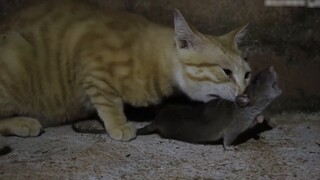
(264, 86)
(209, 67)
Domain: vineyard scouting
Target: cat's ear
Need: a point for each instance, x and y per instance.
(234, 37)
(184, 36)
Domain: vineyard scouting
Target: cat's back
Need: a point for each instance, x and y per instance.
(34, 12)
(38, 55)
(45, 48)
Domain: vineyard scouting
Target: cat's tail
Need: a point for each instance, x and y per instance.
(3, 149)
(148, 129)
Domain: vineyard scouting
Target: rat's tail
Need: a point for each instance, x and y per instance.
(3, 149)
(148, 129)
(89, 126)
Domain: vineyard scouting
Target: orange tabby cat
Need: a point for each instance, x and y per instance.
(61, 61)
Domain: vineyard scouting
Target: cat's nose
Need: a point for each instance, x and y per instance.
(241, 89)
(240, 86)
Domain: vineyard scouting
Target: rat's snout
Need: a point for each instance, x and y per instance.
(279, 92)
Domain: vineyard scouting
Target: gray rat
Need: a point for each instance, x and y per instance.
(217, 119)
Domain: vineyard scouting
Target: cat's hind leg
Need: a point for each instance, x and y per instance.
(20, 126)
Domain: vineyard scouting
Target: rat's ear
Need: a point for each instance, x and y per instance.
(273, 72)
(185, 38)
(271, 69)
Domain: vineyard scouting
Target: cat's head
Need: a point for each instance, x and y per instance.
(210, 67)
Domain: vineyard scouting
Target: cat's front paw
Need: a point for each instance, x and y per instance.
(124, 132)
(25, 127)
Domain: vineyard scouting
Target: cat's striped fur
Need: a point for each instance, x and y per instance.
(62, 60)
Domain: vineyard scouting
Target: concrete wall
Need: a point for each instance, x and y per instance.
(288, 38)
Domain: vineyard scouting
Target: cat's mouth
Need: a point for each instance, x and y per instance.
(213, 96)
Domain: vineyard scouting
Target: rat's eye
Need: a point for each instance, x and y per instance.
(247, 75)
(228, 72)
(255, 82)
(274, 85)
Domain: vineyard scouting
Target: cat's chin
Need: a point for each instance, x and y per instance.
(210, 97)
(213, 97)
(204, 99)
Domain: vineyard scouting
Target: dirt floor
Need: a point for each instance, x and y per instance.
(291, 150)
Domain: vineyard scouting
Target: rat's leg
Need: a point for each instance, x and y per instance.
(228, 139)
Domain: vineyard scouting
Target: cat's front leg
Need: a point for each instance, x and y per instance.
(110, 109)
(20, 126)
(116, 123)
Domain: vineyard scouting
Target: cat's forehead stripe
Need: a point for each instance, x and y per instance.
(232, 58)
(205, 78)
(201, 64)
(237, 64)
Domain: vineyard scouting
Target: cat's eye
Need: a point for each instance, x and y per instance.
(228, 72)
(247, 75)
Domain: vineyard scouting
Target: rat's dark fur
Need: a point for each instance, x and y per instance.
(217, 119)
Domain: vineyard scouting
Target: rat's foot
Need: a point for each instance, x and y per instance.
(260, 118)
(124, 132)
(227, 145)
(230, 148)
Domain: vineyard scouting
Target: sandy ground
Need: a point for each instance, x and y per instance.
(291, 150)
